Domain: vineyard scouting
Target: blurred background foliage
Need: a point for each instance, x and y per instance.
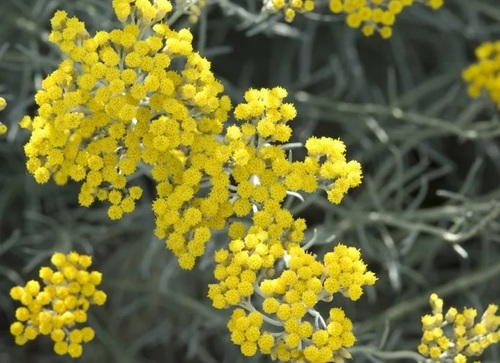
(425, 217)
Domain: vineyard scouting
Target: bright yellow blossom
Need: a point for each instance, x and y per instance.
(371, 16)
(466, 338)
(115, 106)
(58, 308)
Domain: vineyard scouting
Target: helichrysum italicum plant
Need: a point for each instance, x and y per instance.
(3, 104)
(456, 337)
(140, 100)
(117, 102)
(483, 76)
(58, 307)
(371, 16)
(140, 97)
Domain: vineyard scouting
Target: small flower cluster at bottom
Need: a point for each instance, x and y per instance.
(454, 336)
(277, 321)
(56, 309)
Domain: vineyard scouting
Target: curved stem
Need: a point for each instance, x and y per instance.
(317, 318)
(248, 306)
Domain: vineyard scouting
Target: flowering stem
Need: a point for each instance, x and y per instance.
(248, 306)
(317, 318)
(312, 241)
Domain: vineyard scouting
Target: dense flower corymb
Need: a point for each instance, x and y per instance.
(139, 99)
(375, 16)
(117, 101)
(264, 126)
(59, 308)
(282, 328)
(134, 96)
(371, 16)
(456, 336)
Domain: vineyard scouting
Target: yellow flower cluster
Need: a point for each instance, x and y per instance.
(117, 101)
(114, 103)
(140, 100)
(289, 7)
(265, 119)
(485, 74)
(287, 299)
(464, 337)
(238, 266)
(371, 16)
(375, 15)
(3, 128)
(63, 302)
(145, 12)
(263, 175)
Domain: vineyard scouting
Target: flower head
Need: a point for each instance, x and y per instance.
(457, 335)
(58, 307)
(370, 16)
